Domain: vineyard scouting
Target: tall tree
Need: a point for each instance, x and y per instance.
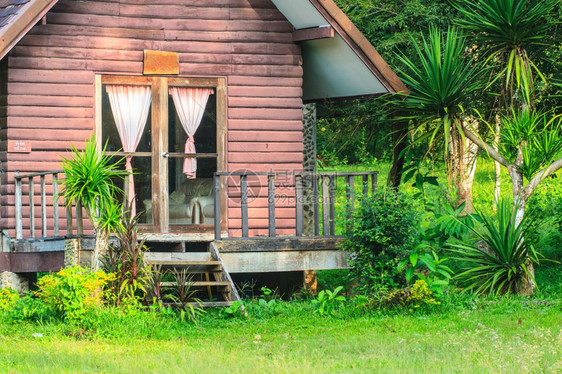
(509, 35)
(530, 145)
(443, 83)
(389, 26)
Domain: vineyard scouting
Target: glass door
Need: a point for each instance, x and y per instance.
(173, 163)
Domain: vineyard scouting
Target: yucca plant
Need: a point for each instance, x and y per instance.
(535, 136)
(505, 32)
(509, 36)
(530, 147)
(443, 82)
(500, 261)
(89, 180)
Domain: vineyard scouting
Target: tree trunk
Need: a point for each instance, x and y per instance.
(399, 131)
(497, 166)
(527, 286)
(466, 180)
(100, 248)
(464, 154)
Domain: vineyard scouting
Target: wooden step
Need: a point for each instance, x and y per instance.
(198, 284)
(204, 304)
(183, 263)
(197, 262)
(214, 283)
(158, 257)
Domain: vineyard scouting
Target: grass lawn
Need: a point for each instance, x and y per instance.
(501, 336)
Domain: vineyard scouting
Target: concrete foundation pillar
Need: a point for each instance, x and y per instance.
(309, 165)
(15, 281)
(71, 252)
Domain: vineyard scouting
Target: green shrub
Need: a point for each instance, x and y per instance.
(428, 267)
(419, 295)
(72, 292)
(383, 230)
(28, 308)
(8, 298)
(236, 310)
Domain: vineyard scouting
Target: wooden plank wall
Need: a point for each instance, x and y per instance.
(48, 98)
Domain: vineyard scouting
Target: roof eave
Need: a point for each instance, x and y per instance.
(20, 26)
(360, 44)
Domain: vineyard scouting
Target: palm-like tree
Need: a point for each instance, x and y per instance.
(443, 82)
(506, 33)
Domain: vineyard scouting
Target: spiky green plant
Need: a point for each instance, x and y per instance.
(533, 135)
(89, 180)
(499, 262)
(90, 176)
(505, 32)
(443, 81)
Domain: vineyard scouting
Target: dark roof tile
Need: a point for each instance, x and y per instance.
(10, 8)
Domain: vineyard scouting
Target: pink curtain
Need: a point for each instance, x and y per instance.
(190, 104)
(130, 106)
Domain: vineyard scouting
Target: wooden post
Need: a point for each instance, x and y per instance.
(79, 220)
(55, 204)
(299, 205)
(69, 228)
(315, 204)
(43, 208)
(31, 207)
(19, 215)
(332, 205)
(350, 192)
(365, 185)
(271, 203)
(374, 177)
(311, 281)
(244, 204)
(325, 205)
(217, 206)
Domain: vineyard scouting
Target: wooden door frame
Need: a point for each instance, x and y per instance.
(159, 131)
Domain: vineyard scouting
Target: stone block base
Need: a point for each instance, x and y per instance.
(12, 280)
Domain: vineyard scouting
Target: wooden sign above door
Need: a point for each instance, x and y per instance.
(161, 63)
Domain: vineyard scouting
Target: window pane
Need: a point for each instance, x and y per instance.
(191, 200)
(143, 187)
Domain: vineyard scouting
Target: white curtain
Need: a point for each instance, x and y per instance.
(190, 104)
(130, 106)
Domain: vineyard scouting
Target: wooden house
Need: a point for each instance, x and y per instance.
(204, 97)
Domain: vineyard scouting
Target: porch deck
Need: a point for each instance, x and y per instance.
(251, 248)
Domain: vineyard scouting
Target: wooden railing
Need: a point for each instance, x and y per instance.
(48, 198)
(317, 190)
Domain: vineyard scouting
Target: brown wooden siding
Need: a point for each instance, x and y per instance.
(48, 96)
(4, 177)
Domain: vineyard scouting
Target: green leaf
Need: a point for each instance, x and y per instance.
(409, 273)
(414, 259)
